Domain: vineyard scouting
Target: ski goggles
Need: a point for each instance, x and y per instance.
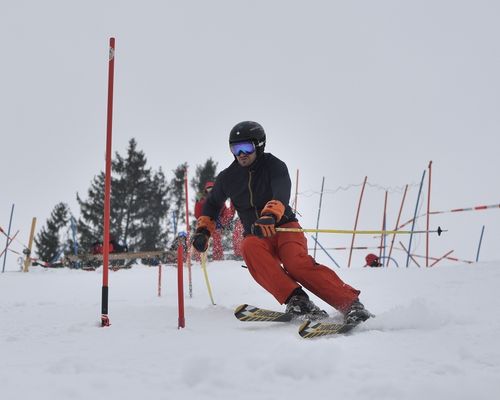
(242, 147)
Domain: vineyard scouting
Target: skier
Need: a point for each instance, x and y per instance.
(259, 186)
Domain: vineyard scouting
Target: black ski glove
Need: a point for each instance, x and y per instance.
(264, 226)
(200, 239)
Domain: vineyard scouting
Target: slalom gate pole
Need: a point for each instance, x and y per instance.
(4, 251)
(414, 220)
(319, 212)
(454, 210)
(326, 252)
(358, 232)
(180, 283)
(107, 187)
(409, 254)
(188, 229)
(348, 248)
(480, 241)
(397, 222)
(27, 250)
(356, 221)
(159, 279)
(428, 215)
(448, 258)
(296, 192)
(382, 237)
(203, 257)
(441, 258)
(8, 234)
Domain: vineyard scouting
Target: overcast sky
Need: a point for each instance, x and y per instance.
(344, 90)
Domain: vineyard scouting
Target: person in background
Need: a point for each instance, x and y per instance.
(372, 261)
(259, 186)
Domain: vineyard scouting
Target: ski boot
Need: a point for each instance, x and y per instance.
(302, 308)
(356, 313)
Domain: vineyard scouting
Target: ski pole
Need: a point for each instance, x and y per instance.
(205, 274)
(360, 232)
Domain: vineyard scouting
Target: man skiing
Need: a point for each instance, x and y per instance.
(259, 186)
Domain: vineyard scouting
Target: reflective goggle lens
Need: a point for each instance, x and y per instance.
(242, 147)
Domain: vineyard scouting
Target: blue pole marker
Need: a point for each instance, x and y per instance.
(322, 248)
(479, 247)
(414, 220)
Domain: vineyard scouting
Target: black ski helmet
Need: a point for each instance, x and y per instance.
(249, 130)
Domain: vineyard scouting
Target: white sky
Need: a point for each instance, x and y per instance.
(343, 89)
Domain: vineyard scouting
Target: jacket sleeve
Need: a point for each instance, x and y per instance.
(280, 181)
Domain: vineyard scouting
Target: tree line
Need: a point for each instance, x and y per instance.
(147, 209)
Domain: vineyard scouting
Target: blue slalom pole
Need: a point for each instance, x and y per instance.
(414, 220)
(328, 254)
(8, 234)
(479, 247)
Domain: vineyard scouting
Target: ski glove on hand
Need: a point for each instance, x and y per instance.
(200, 239)
(204, 229)
(264, 227)
(270, 214)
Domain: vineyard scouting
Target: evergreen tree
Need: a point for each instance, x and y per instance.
(177, 197)
(204, 173)
(49, 241)
(139, 204)
(131, 194)
(155, 220)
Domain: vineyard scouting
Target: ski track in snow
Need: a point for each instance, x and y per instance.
(435, 335)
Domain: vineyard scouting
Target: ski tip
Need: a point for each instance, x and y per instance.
(240, 308)
(304, 325)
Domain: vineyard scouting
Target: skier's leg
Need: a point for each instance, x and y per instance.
(265, 267)
(319, 279)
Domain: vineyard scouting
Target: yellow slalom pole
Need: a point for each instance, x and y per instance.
(27, 260)
(205, 274)
(358, 232)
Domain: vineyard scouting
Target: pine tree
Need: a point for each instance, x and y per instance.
(49, 241)
(139, 204)
(155, 227)
(177, 197)
(130, 194)
(204, 173)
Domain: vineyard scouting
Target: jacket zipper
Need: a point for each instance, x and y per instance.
(251, 193)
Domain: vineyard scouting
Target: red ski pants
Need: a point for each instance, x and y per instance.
(280, 264)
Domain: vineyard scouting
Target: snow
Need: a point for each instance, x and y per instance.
(435, 337)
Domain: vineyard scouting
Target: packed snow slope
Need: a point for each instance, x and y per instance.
(435, 336)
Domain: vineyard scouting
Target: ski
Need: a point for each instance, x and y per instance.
(247, 312)
(309, 329)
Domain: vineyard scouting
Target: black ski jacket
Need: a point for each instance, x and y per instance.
(250, 188)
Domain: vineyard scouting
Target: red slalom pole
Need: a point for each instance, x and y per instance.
(188, 229)
(107, 187)
(180, 282)
(428, 214)
(356, 222)
(159, 280)
(296, 192)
